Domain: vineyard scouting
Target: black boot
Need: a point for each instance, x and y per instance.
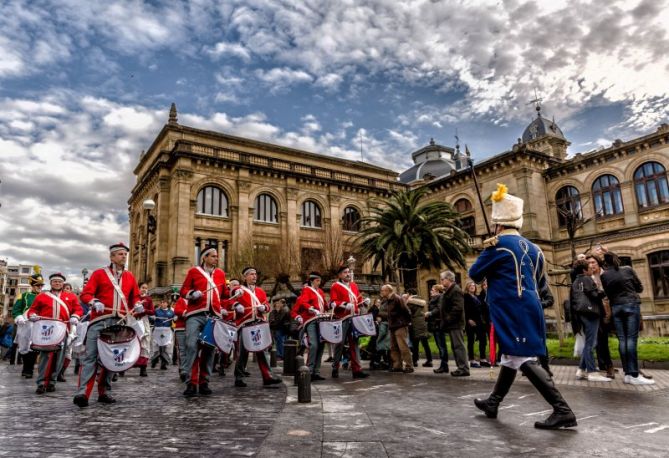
(562, 416)
(504, 381)
(204, 389)
(142, 371)
(191, 390)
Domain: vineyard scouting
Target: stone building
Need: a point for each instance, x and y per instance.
(14, 281)
(295, 210)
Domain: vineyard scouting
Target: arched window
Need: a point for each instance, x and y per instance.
(467, 221)
(311, 214)
(212, 201)
(266, 209)
(650, 183)
(568, 203)
(607, 196)
(351, 219)
(659, 273)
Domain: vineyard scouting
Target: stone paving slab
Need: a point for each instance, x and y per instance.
(150, 418)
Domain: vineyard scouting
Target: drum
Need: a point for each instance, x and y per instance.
(80, 338)
(137, 325)
(257, 337)
(364, 324)
(162, 336)
(48, 335)
(23, 335)
(225, 336)
(206, 336)
(331, 330)
(118, 348)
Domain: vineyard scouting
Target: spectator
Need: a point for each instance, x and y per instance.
(585, 299)
(6, 338)
(434, 325)
(451, 310)
(399, 320)
(622, 287)
(381, 357)
(418, 331)
(604, 361)
(475, 326)
(279, 324)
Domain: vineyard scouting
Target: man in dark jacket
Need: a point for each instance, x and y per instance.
(399, 319)
(452, 314)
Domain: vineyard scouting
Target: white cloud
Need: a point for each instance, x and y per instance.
(280, 78)
(224, 48)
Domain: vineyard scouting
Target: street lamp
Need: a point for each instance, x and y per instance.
(351, 264)
(148, 205)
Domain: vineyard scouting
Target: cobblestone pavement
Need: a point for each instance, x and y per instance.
(426, 414)
(150, 418)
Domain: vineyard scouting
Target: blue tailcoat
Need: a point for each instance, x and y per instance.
(514, 269)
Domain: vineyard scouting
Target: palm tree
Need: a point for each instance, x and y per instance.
(405, 234)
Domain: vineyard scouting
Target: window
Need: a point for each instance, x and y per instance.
(650, 184)
(311, 214)
(25, 270)
(467, 223)
(625, 260)
(607, 196)
(351, 219)
(212, 201)
(23, 281)
(659, 273)
(265, 209)
(568, 202)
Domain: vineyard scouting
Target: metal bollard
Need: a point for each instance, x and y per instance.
(299, 362)
(272, 358)
(303, 384)
(289, 352)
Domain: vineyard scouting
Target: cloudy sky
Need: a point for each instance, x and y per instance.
(86, 85)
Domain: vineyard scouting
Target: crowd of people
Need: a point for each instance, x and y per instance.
(212, 321)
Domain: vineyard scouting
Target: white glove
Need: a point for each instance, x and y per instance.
(299, 319)
(139, 308)
(349, 306)
(33, 317)
(239, 308)
(367, 301)
(313, 311)
(331, 305)
(261, 308)
(98, 306)
(194, 294)
(237, 293)
(74, 320)
(20, 320)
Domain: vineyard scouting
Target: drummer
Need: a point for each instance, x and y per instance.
(179, 304)
(204, 288)
(53, 305)
(345, 298)
(251, 303)
(112, 293)
(308, 307)
(162, 327)
(145, 342)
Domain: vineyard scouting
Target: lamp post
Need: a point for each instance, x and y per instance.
(351, 264)
(148, 205)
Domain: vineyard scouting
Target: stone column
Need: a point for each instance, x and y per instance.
(182, 212)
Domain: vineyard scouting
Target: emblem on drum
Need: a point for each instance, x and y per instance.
(47, 330)
(336, 329)
(119, 355)
(256, 336)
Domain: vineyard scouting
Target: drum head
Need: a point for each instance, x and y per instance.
(117, 334)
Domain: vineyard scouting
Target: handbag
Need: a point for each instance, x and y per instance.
(582, 303)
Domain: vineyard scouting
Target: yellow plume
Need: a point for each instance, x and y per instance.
(37, 269)
(499, 194)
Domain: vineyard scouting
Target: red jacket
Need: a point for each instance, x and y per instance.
(149, 308)
(180, 307)
(247, 302)
(210, 300)
(100, 287)
(308, 298)
(47, 307)
(341, 296)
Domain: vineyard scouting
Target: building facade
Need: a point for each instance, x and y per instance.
(14, 281)
(291, 211)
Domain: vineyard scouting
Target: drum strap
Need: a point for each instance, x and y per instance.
(58, 301)
(255, 302)
(118, 292)
(352, 297)
(321, 302)
(212, 286)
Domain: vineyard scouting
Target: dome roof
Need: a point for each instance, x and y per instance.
(432, 168)
(541, 127)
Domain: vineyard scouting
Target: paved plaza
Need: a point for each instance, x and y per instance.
(397, 415)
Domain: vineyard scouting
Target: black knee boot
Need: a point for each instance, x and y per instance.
(562, 416)
(504, 381)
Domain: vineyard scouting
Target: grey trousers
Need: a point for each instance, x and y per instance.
(44, 357)
(194, 325)
(180, 338)
(458, 348)
(90, 360)
(316, 347)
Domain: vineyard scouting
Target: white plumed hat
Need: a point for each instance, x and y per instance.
(507, 210)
